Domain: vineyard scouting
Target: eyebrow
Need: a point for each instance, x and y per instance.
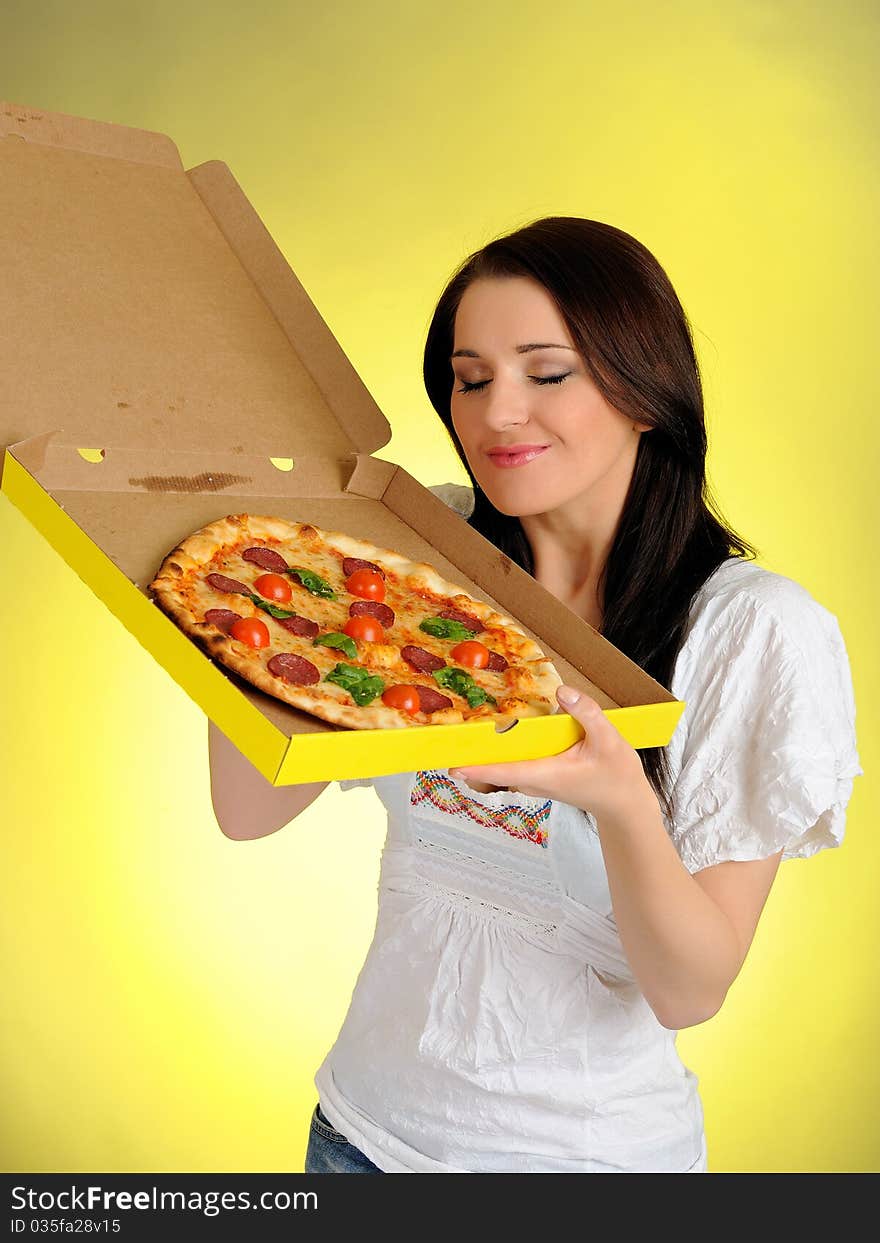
(520, 349)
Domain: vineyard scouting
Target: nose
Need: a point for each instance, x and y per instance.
(506, 404)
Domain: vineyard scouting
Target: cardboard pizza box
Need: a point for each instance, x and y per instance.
(164, 367)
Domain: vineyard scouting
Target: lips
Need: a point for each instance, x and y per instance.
(515, 455)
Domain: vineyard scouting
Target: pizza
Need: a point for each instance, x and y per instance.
(360, 636)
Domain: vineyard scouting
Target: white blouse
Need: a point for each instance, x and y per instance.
(495, 1024)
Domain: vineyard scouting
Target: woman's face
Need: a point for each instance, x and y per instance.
(532, 389)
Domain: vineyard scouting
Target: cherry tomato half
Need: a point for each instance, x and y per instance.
(471, 653)
(250, 630)
(406, 698)
(367, 584)
(274, 587)
(365, 627)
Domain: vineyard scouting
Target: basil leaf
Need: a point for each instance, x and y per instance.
(346, 675)
(461, 683)
(367, 690)
(446, 628)
(360, 684)
(475, 695)
(272, 609)
(313, 582)
(453, 679)
(344, 642)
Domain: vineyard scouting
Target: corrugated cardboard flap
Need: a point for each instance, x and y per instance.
(118, 142)
(149, 308)
(317, 349)
(162, 366)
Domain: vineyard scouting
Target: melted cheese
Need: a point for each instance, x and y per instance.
(411, 604)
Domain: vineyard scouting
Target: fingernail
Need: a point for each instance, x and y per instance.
(455, 772)
(567, 695)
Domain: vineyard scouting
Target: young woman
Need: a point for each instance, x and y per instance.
(546, 927)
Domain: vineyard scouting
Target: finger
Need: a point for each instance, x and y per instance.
(584, 709)
(601, 736)
(496, 774)
(525, 775)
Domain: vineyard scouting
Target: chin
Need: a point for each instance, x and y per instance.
(521, 501)
(516, 509)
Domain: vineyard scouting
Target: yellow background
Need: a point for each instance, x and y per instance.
(168, 993)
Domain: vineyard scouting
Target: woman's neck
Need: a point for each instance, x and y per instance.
(569, 555)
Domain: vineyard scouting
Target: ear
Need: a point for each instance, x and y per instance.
(642, 427)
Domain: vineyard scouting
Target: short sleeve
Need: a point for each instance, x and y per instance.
(392, 791)
(768, 752)
(456, 496)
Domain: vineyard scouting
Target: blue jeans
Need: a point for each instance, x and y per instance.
(329, 1152)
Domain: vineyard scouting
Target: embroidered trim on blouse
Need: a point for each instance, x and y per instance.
(527, 896)
(487, 909)
(522, 882)
(444, 794)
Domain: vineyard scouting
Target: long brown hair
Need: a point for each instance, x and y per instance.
(634, 337)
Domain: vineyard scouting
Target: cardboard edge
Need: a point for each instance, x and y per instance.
(371, 477)
(59, 465)
(30, 453)
(60, 129)
(648, 725)
(482, 562)
(303, 758)
(444, 746)
(173, 651)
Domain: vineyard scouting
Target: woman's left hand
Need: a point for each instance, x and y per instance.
(600, 773)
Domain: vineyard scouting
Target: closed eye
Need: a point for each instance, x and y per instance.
(481, 384)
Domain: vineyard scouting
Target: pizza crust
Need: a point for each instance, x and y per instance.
(533, 678)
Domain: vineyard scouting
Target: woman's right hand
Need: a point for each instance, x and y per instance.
(246, 805)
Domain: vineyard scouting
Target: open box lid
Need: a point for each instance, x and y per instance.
(155, 311)
(155, 334)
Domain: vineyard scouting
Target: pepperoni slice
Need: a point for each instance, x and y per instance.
(299, 625)
(222, 618)
(373, 608)
(266, 559)
(497, 663)
(464, 618)
(294, 668)
(431, 700)
(230, 585)
(350, 564)
(418, 658)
